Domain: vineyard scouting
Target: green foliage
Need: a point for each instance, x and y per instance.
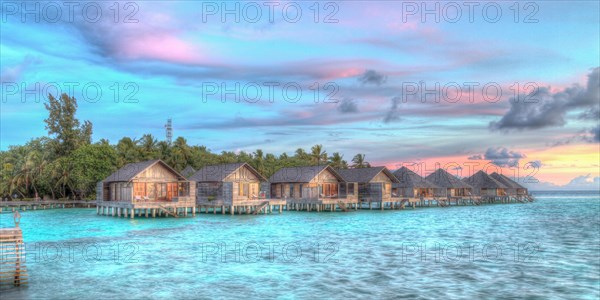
(64, 126)
(359, 161)
(92, 163)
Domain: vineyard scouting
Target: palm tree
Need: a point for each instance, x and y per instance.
(61, 173)
(337, 161)
(148, 146)
(163, 150)
(180, 154)
(359, 161)
(128, 151)
(318, 155)
(259, 161)
(300, 154)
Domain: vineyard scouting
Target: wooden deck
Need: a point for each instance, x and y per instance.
(12, 262)
(242, 207)
(146, 208)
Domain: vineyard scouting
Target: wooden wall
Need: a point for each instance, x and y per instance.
(324, 176)
(156, 173)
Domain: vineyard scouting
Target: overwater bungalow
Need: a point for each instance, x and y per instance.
(149, 188)
(313, 188)
(231, 188)
(412, 185)
(374, 185)
(513, 189)
(448, 185)
(485, 186)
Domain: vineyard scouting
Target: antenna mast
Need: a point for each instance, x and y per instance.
(169, 129)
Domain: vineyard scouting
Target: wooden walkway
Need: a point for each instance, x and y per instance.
(12, 206)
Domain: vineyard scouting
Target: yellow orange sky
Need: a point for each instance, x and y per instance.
(559, 164)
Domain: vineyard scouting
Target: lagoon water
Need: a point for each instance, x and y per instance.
(547, 249)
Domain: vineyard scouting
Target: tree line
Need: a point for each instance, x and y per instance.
(66, 164)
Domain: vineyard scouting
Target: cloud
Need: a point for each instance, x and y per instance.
(536, 163)
(584, 182)
(550, 108)
(595, 134)
(392, 114)
(347, 106)
(14, 73)
(372, 77)
(501, 156)
(591, 114)
(581, 183)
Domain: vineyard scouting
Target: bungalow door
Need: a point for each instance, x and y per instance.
(161, 191)
(171, 191)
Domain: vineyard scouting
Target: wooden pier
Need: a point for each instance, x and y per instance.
(12, 206)
(13, 272)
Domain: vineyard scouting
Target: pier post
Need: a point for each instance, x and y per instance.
(132, 210)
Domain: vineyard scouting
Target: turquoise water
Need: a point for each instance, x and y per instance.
(549, 248)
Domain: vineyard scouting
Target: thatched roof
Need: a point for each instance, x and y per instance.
(409, 179)
(301, 174)
(217, 173)
(364, 175)
(129, 171)
(188, 171)
(507, 181)
(443, 179)
(482, 180)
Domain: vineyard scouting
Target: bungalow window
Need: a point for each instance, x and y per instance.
(387, 188)
(291, 190)
(139, 189)
(328, 189)
(184, 189)
(243, 189)
(254, 189)
(171, 190)
(300, 190)
(350, 189)
(395, 192)
(161, 191)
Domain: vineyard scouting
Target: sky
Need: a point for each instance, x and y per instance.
(461, 85)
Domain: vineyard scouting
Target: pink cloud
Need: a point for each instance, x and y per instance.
(161, 46)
